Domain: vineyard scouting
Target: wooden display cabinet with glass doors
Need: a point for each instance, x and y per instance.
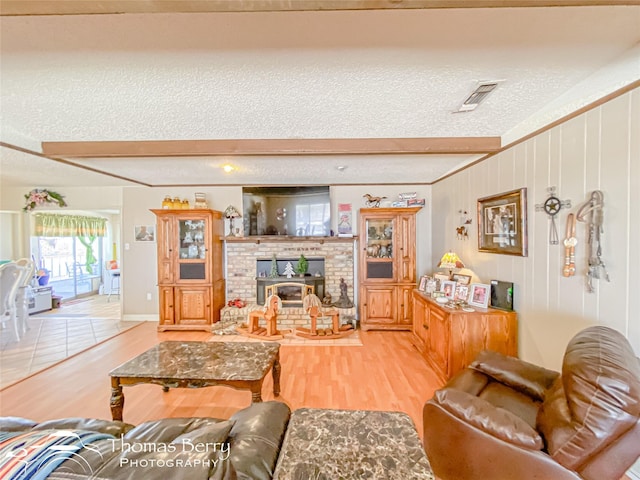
(190, 274)
(387, 271)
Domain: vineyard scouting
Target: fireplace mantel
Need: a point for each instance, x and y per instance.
(288, 238)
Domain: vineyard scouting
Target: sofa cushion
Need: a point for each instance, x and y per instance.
(168, 429)
(256, 438)
(525, 377)
(596, 400)
(483, 415)
(111, 427)
(208, 435)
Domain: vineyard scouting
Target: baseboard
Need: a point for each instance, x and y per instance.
(146, 317)
(634, 472)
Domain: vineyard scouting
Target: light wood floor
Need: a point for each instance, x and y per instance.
(386, 373)
(57, 334)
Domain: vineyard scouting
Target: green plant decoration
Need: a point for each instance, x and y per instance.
(302, 266)
(274, 268)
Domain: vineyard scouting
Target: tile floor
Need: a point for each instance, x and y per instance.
(58, 334)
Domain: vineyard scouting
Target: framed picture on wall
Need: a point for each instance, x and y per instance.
(502, 223)
(479, 295)
(144, 233)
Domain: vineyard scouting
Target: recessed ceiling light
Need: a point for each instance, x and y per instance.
(341, 168)
(228, 168)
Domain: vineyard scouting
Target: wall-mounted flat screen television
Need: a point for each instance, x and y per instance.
(294, 211)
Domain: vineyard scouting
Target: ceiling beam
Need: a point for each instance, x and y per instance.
(88, 7)
(315, 146)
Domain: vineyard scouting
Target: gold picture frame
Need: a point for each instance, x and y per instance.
(502, 223)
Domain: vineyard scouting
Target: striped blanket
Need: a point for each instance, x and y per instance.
(35, 454)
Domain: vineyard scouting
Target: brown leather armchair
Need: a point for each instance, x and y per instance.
(503, 418)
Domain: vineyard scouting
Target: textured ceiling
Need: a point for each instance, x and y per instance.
(297, 75)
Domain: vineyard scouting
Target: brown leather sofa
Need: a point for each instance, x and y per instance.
(503, 418)
(170, 448)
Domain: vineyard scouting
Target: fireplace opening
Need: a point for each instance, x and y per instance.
(290, 290)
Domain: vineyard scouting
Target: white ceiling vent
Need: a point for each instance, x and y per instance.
(477, 96)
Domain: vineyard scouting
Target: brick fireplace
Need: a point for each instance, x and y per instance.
(243, 253)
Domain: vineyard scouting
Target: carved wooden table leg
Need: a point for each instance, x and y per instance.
(275, 372)
(256, 392)
(117, 399)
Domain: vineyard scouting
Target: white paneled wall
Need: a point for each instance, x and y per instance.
(598, 150)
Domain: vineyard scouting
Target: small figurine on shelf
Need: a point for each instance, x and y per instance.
(288, 270)
(274, 268)
(303, 265)
(344, 301)
(372, 201)
(201, 201)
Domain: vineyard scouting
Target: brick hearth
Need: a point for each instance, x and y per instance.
(242, 253)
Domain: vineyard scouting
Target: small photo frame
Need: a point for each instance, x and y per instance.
(423, 283)
(441, 277)
(144, 233)
(461, 279)
(448, 288)
(462, 293)
(432, 285)
(479, 295)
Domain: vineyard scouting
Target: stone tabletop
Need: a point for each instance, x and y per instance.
(323, 444)
(202, 360)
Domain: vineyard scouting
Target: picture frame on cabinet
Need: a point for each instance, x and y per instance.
(441, 277)
(502, 223)
(449, 289)
(479, 295)
(432, 285)
(461, 279)
(462, 293)
(423, 283)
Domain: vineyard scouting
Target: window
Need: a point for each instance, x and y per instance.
(312, 219)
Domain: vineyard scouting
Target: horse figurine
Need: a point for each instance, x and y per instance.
(270, 314)
(372, 201)
(313, 306)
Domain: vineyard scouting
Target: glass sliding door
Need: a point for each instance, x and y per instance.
(74, 264)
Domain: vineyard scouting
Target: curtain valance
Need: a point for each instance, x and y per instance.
(52, 225)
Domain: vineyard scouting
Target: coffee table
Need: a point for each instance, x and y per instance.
(241, 365)
(351, 445)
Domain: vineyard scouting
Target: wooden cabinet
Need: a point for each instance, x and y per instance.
(387, 273)
(190, 275)
(449, 339)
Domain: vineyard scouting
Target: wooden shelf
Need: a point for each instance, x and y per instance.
(288, 238)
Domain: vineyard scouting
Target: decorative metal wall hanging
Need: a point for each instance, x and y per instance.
(552, 207)
(461, 231)
(592, 213)
(570, 242)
